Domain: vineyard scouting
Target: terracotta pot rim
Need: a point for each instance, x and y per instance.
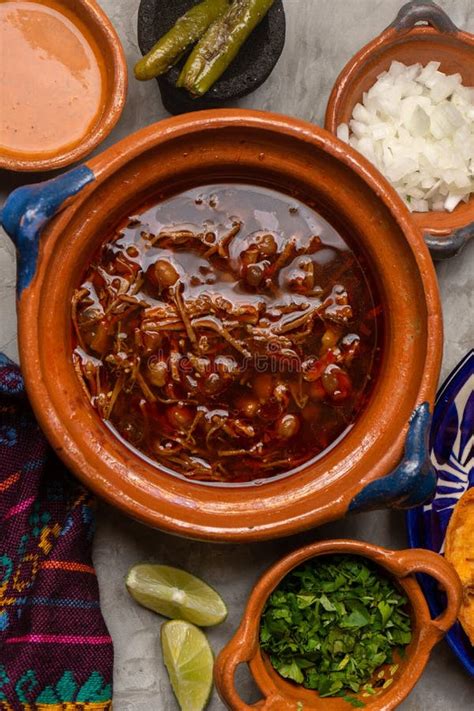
(116, 64)
(400, 566)
(434, 223)
(265, 526)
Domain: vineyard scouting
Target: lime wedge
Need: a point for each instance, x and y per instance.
(189, 661)
(175, 593)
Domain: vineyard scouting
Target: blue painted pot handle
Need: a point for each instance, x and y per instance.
(414, 480)
(28, 209)
(447, 247)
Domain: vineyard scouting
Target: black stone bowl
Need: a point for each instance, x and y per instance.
(247, 72)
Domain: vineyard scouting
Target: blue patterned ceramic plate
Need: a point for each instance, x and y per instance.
(452, 455)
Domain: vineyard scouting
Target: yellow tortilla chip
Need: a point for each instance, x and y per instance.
(459, 550)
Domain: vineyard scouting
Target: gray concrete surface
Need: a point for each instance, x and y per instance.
(322, 35)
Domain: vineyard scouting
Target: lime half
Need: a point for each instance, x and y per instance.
(189, 661)
(175, 593)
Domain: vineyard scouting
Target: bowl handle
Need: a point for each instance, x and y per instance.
(243, 647)
(413, 481)
(452, 244)
(413, 12)
(418, 560)
(28, 209)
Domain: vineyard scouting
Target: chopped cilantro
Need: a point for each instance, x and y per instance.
(331, 623)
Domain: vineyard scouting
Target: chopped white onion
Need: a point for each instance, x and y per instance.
(416, 124)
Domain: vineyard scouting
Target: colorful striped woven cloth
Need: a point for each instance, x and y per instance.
(55, 651)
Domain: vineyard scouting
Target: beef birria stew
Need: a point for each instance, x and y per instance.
(228, 333)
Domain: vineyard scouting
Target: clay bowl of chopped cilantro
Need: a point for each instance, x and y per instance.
(338, 624)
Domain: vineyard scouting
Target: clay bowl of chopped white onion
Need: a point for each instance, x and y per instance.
(406, 102)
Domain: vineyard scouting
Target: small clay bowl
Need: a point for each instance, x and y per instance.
(405, 41)
(282, 695)
(248, 71)
(87, 14)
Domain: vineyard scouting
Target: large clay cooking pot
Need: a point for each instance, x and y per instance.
(368, 467)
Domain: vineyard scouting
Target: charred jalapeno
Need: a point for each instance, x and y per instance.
(220, 45)
(187, 30)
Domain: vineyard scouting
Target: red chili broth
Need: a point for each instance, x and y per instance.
(259, 398)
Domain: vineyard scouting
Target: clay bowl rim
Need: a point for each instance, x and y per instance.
(373, 55)
(108, 43)
(400, 566)
(248, 513)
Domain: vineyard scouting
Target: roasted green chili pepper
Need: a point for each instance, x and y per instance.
(187, 30)
(220, 45)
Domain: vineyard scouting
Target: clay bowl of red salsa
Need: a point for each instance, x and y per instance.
(231, 328)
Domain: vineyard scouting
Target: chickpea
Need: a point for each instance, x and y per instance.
(157, 373)
(163, 274)
(330, 380)
(180, 417)
(254, 274)
(213, 384)
(336, 383)
(131, 428)
(241, 429)
(132, 251)
(148, 340)
(267, 244)
(282, 394)
(248, 405)
(330, 339)
(287, 426)
(263, 386)
(190, 384)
